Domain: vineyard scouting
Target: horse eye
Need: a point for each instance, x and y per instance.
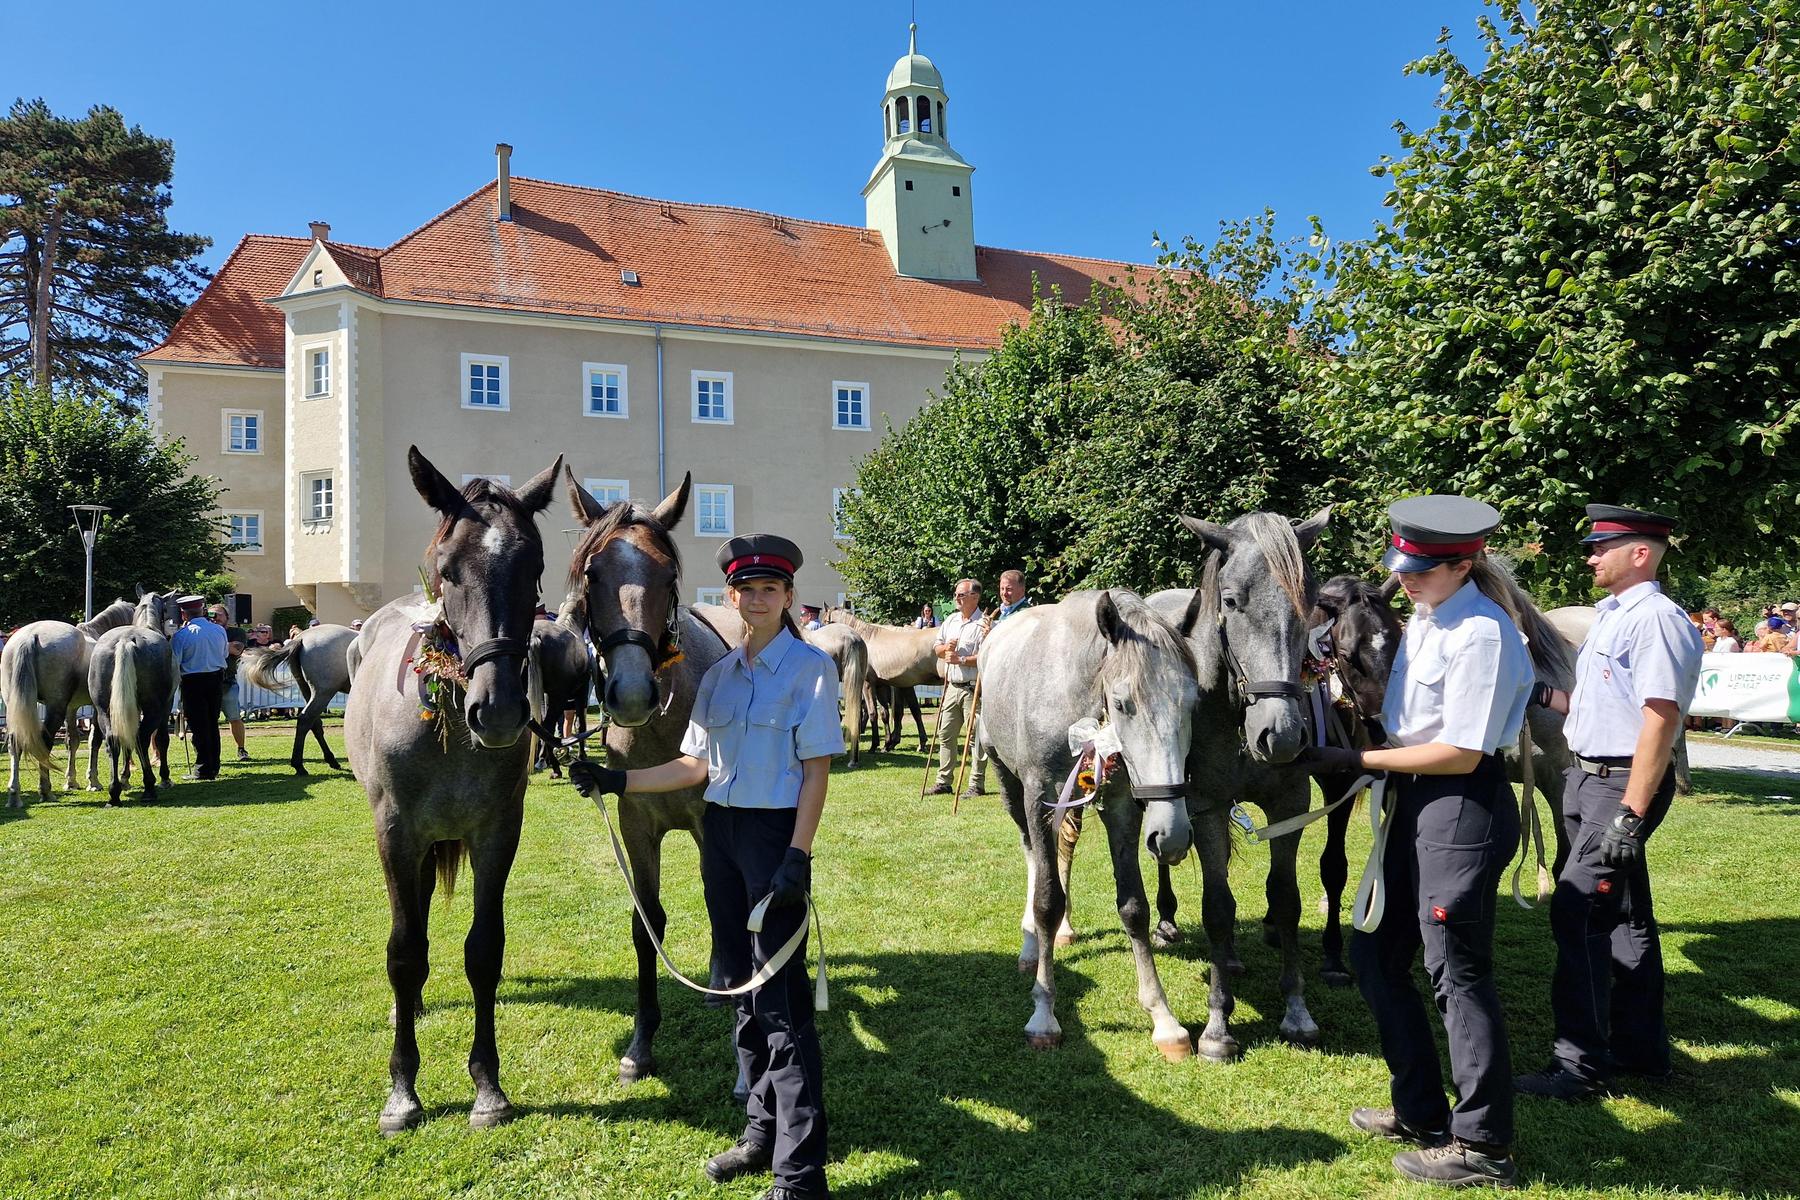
(1229, 600)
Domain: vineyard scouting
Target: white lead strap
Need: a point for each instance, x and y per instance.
(1371, 893)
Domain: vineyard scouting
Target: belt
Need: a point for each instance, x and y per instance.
(1605, 767)
(960, 683)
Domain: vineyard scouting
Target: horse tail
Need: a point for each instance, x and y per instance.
(20, 691)
(856, 674)
(259, 664)
(122, 705)
(534, 679)
(450, 856)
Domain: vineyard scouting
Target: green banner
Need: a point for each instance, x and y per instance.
(1748, 687)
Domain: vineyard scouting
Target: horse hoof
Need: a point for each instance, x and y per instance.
(1177, 1049)
(398, 1118)
(1043, 1041)
(486, 1116)
(1305, 1039)
(1337, 977)
(1219, 1049)
(1166, 934)
(1064, 939)
(632, 1071)
(300, 770)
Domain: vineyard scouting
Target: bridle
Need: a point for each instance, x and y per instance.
(1247, 690)
(497, 647)
(664, 652)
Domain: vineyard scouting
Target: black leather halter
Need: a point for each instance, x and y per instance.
(500, 647)
(631, 637)
(1248, 690)
(1167, 792)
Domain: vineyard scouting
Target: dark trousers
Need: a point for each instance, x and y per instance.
(201, 695)
(1451, 837)
(1608, 989)
(777, 1039)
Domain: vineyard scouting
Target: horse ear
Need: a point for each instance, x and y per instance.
(669, 513)
(1191, 617)
(1389, 586)
(1308, 531)
(587, 510)
(140, 590)
(536, 493)
(431, 485)
(1215, 536)
(1106, 615)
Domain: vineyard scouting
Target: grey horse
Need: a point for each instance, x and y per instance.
(453, 786)
(318, 661)
(851, 656)
(900, 659)
(46, 662)
(559, 675)
(652, 653)
(1250, 645)
(1106, 656)
(131, 678)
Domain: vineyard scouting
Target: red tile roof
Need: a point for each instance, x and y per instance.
(698, 265)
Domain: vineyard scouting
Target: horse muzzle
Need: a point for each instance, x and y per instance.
(495, 717)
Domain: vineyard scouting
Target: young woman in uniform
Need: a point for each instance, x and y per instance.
(1456, 697)
(764, 728)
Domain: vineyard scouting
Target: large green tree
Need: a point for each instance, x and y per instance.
(91, 275)
(61, 450)
(1589, 287)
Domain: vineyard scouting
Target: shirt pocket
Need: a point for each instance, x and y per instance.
(721, 710)
(769, 735)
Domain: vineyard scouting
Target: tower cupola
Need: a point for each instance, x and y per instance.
(918, 197)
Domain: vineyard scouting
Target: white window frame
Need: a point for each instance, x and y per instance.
(256, 547)
(837, 500)
(838, 384)
(622, 486)
(468, 479)
(225, 416)
(709, 596)
(730, 494)
(308, 356)
(588, 371)
(486, 360)
(308, 517)
(694, 378)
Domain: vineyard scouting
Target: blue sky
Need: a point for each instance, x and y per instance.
(1090, 125)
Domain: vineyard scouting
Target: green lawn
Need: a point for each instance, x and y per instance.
(196, 1005)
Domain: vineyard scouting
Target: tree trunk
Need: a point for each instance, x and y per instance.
(41, 310)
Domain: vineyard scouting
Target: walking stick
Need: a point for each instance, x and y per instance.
(937, 729)
(968, 740)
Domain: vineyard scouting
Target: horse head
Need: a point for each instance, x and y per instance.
(1258, 592)
(154, 610)
(629, 573)
(1147, 685)
(1365, 636)
(484, 563)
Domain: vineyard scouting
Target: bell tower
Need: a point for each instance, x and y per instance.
(918, 197)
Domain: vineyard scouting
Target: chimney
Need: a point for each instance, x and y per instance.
(503, 195)
(321, 231)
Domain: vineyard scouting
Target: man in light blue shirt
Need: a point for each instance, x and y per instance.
(200, 651)
(1012, 595)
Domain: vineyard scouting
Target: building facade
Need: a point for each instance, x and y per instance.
(642, 339)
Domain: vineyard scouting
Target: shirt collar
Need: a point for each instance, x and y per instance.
(1459, 603)
(1631, 597)
(1015, 606)
(772, 654)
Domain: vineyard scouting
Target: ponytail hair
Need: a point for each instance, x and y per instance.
(1551, 654)
(787, 623)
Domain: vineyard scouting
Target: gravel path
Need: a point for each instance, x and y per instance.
(1736, 756)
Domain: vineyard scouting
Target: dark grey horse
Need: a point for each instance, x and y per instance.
(559, 677)
(628, 571)
(46, 662)
(452, 786)
(1250, 644)
(318, 661)
(131, 678)
(1105, 656)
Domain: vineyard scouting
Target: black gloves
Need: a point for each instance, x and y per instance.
(591, 779)
(1540, 694)
(792, 879)
(1329, 760)
(1622, 845)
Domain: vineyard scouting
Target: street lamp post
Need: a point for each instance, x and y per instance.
(87, 522)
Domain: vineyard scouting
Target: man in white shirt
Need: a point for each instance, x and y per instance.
(959, 648)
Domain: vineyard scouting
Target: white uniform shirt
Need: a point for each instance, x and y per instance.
(965, 633)
(754, 724)
(1641, 647)
(1463, 676)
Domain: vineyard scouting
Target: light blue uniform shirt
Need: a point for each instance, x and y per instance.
(1463, 676)
(1641, 647)
(200, 646)
(754, 723)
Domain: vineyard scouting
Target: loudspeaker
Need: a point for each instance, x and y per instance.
(239, 608)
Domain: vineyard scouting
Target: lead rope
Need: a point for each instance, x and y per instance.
(1371, 892)
(1531, 828)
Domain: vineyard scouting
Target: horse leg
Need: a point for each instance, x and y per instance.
(1167, 932)
(1283, 891)
(409, 867)
(1124, 822)
(1334, 874)
(94, 753)
(316, 709)
(162, 751)
(1043, 1032)
(645, 853)
(297, 759)
(492, 860)
(1218, 913)
(918, 716)
(13, 798)
(112, 752)
(146, 734)
(1068, 832)
(74, 738)
(53, 719)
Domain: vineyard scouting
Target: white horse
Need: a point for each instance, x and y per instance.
(46, 662)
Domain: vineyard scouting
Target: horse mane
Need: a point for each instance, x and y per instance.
(613, 523)
(119, 612)
(1273, 536)
(1143, 633)
(479, 489)
(1551, 655)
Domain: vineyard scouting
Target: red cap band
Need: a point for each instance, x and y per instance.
(1441, 549)
(754, 560)
(1655, 527)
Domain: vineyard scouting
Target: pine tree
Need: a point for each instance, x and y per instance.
(90, 272)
